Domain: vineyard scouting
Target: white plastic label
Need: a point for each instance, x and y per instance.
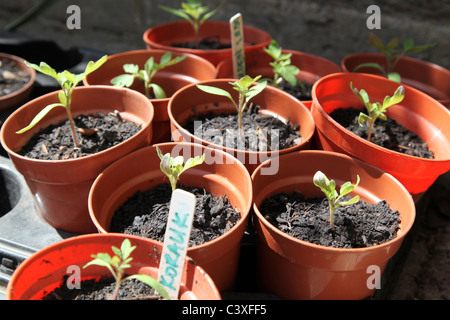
(237, 45)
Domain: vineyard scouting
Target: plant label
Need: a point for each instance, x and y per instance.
(237, 46)
(178, 230)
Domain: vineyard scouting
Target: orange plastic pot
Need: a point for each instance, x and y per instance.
(60, 188)
(257, 63)
(296, 269)
(219, 175)
(428, 77)
(172, 78)
(164, 36)
(14, 99)
(43, 271)
(417, 112)
(190, 101)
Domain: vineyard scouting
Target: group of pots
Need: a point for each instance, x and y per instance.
(81, 195)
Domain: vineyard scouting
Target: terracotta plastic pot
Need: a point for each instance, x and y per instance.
(16, 98)
(257, 63)
(428, 77)
(60, 188)
(417, 112)
(271, 100)
(42, 272)
(164, 36)
(172, 78)
(296, 269)
(220, 175)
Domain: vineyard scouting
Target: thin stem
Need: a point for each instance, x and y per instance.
(331, 216)
(72, 125)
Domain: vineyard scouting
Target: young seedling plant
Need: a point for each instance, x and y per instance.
(282, 67)
(147, 74)
(392, 55)
(68, 81)
(328, 187)
(194, 12)
(119, 263)
(246, 93)
(174, 167)
(376, 110)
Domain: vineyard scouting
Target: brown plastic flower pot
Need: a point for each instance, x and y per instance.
(16, 98)
(60, 188)
(44, 271)
(257, 63)
(164, 36)
(272, 101)
(296, 269)
(428, 77)
(418, 112)
(172, 78)
(220, 174)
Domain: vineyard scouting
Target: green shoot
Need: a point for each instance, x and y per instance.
(173, 167)
(282, 68)
(119, 262)
(376, 110)
(68, 81)
(392, 55)
(246, 92)
(146, 75)
(195, 13)
(328, 187)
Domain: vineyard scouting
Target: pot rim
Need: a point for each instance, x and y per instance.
(273, 229)
(125, 91)
(316, 105)
(183, 24)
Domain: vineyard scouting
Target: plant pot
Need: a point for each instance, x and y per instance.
(272, 101)
(164, 36)
(42, 272)
(257, 63)
(417, 112)
(15, 98)
(172, 78)
(296, 269)
(220, 175)
(60, 188)
(428, 77)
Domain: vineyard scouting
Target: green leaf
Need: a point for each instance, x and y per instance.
(152, 282)
(255, 90)
(39, 116)
(348, 202)
(91, 66)
(131, 68)
(214, 90)
(376, 42)
(126, 249)
(158, 91)
(369, 65)
(124, 80)
(363, 118)
(394, 76)
(348, 187)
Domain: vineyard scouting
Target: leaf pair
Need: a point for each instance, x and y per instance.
(281, 65)
(146, 75)
(328, 187)
(117, 265)
(174, 167)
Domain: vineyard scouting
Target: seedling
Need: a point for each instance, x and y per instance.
(392, 55)
(146, 75)
(246, 92)
(117, 265)
(194, 12)
(68, 81)
(282, 68)
(173, 167)
(376, 110)
(328, 187)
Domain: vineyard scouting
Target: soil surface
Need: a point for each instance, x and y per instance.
(261, 132)
(103, 289)
(146, 212)
(355, 226)
(95, 133)
(301, 93)
(211, 43)
(388, 134)
(12, 78)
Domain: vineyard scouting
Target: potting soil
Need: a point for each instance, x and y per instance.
(12, 78)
